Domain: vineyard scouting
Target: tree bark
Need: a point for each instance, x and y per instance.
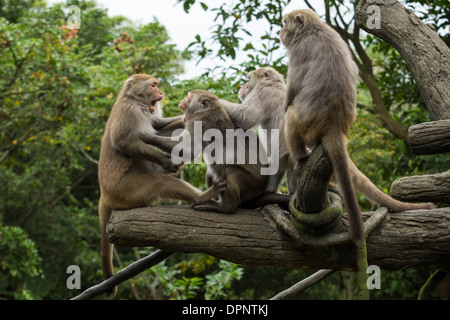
(425, 188)
(430, 137)
(427, 56)
(249, 237)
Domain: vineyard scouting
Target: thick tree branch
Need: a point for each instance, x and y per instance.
(430, 137)
(427, 187)
(249, 237)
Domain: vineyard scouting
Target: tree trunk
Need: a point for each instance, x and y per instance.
(427, 56)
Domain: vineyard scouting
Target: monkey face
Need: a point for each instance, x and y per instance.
(184, 103)
(144, 90)
(154, 94)
(198, 101)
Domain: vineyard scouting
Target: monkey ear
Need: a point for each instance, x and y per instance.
(300, 19)
(129, 82)
(207, 103)
(267, 74)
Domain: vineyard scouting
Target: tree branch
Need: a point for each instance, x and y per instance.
(303, 285)
(248, 237)
(124, 274)
(426, 55)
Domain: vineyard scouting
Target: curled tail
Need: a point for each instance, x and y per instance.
(104, 213)
(336, 146)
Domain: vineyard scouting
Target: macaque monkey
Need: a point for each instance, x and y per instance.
(244, 182)
(263, 105)
(131, 173)
(321, 106)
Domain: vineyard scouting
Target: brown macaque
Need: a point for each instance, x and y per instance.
(131, 173)
(244, 181)
(263, 105)
(321, 106)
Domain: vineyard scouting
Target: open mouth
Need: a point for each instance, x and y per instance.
(152, 106)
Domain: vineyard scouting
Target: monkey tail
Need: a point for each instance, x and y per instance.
(336, 146)
(367, 188)
(106, 247)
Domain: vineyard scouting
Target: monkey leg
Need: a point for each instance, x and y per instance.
(294, 141)
(229, 201)
(143, 190)
(106, 247)
(291, 181)
(274, 181)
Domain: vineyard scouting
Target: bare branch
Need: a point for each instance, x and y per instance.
(303, 285)
(124, 274)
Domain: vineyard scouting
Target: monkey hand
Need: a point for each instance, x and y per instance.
(167, 163)
(220, 186)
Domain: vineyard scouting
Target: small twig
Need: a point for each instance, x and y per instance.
(430, 285)
(303, 285)
(88, 156)
(124, 274)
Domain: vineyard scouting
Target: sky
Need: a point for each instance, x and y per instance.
(182, 27)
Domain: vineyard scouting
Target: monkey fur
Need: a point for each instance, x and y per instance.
(321, 106)
(131, 173)
(263, 105)
(243, 181)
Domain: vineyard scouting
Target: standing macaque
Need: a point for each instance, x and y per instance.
(263, 105)
(244, 181)
(131, 173)
(321, 105)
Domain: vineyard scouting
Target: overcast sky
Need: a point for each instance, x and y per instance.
(182, 27)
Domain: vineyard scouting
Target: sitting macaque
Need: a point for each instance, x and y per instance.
(244, 181)
(134, 174)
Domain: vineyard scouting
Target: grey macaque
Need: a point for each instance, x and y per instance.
(244, 181)
(321, 106)
(131, 173)
(263, 106)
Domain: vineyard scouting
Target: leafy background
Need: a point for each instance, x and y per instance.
(57, 87)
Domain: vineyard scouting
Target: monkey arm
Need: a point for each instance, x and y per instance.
(169, 129)
(244, 116)
(129, 144)
(181, 144)
(164, 143)
(170, 123)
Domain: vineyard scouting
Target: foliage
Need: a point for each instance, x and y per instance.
(20, 261)
(56, 91)
(57, 86)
